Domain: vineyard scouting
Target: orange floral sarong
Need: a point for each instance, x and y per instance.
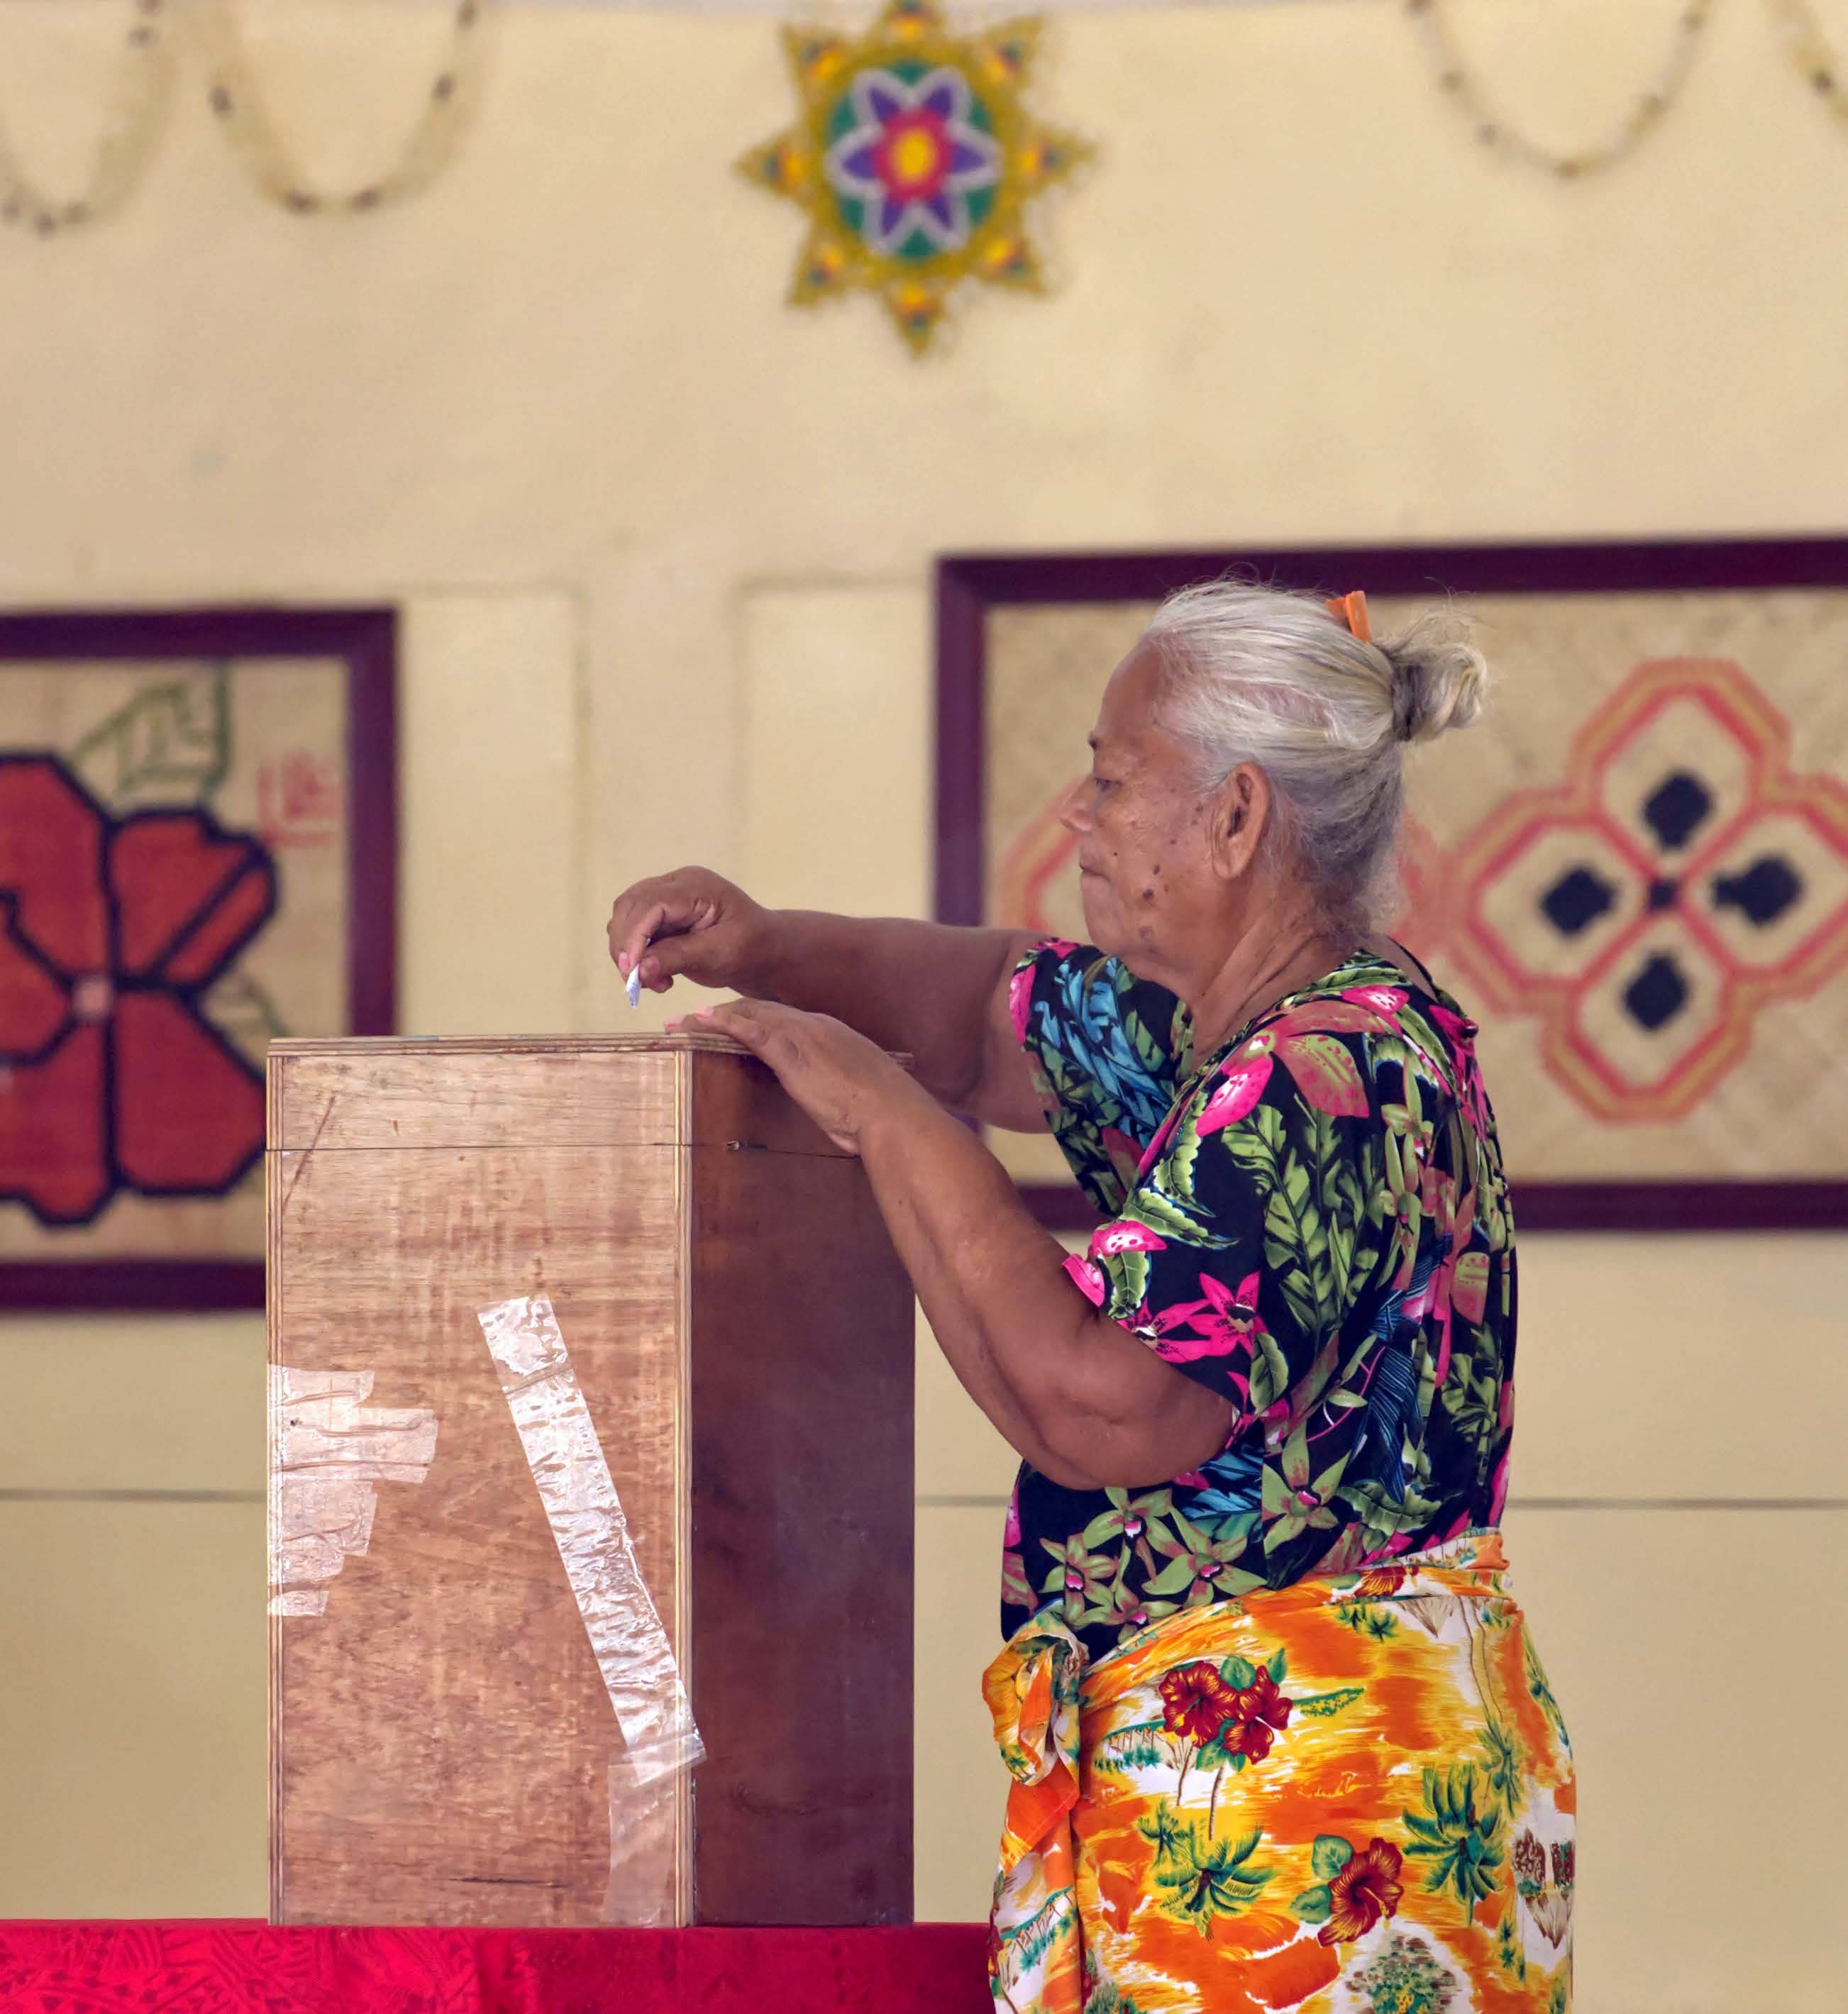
(1347, 1796)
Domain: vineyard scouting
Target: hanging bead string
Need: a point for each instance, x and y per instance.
(141, 96)
(1494, 131)
(1813, 53)
(237, 103)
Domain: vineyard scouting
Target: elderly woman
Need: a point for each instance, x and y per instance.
(1279, 1737)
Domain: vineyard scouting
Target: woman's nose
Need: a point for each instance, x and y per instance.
(1074, 812)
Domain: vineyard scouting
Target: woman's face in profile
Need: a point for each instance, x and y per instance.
(1139, 821)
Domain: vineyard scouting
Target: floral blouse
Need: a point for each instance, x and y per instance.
(1311, 1222)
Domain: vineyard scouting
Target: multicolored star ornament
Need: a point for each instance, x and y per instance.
(913, 161)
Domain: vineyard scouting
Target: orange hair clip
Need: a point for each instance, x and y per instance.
(1351, 610)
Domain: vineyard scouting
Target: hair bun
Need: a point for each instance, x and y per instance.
(1438, 683)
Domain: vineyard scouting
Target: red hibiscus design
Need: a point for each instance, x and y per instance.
(1362, 1892)
(1260, 1714)
(112, 931)
(1379, 1583)
(1197, 1702)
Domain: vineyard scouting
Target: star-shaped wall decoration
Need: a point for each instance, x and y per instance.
(913, 161)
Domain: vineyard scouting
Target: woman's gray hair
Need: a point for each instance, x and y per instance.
(1258, 675)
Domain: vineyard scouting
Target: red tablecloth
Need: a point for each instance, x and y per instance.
(237, 1968)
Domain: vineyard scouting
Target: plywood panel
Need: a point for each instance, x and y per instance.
(801, 1580)
(131, 1725)
(394, 1093)
(417, 1780)
(442, 1734)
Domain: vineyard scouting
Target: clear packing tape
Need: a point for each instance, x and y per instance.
(328, 1449)
(631, 1647)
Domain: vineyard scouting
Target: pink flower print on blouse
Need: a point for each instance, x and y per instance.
(1225, 1321)
(1089, 1280)
(1020, 1000)
(1124, 1235)
(1323, 1070)
(1387, 1000)
(1459, 1032)
(1245, 1074)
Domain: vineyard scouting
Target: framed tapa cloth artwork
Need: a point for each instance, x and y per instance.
(1633, 871)
(197, 852)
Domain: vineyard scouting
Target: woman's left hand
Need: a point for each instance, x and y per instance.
(837, 1077)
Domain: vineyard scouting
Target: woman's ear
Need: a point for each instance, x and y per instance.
(1236, 821)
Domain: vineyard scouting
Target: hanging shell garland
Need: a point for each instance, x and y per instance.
(140, 97)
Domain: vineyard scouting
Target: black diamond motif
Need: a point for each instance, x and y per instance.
(1576, 901)
(1763, 893)
(1657, 994)
(1663, 893)
(1677, 809)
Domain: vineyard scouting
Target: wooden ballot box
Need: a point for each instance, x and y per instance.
(728, 1334)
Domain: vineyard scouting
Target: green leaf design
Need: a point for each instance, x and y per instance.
(1278, 1666)
(1502, 1765)
(1271, 1372)
(1152, 1055)
(1144, 1746)
(1239, 1673)
(1128, 1274)
(1329, 1856)
(1313, 1905)
(1168, 1832)
(1173, 1578)
(1325, 1706)
(1167, 1218)
(170, 744)
(1206, 1878)
(1461, 1843)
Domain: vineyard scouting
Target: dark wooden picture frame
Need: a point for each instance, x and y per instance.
(365, 639)
(969, 585)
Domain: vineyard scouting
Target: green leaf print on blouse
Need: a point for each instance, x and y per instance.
(1306, 1235)
(1207, 1568)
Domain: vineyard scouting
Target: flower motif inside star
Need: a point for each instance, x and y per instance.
(915, 160)
(915, 168)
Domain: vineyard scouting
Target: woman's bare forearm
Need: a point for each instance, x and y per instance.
(930, 991)
(1076, 1395)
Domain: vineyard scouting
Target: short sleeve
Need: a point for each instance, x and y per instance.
(1108, 1050)
(1257, 1226)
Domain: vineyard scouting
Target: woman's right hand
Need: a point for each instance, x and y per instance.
(692, 924)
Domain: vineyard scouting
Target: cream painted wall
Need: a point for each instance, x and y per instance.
(665, 546)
